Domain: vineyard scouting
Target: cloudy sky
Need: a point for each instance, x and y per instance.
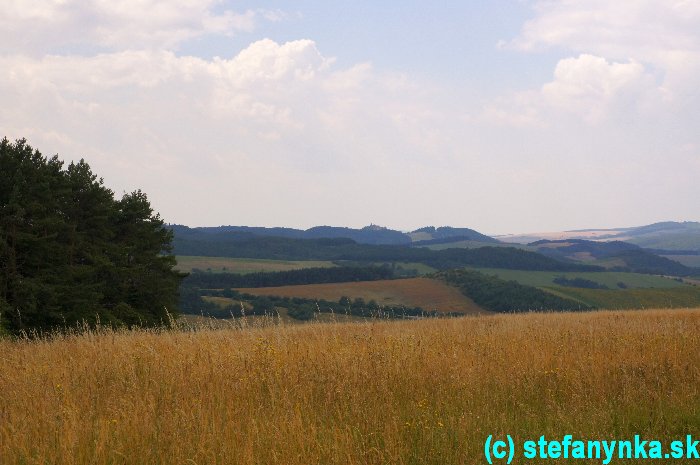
(501, 115)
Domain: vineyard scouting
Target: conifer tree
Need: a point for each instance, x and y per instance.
(71, 252)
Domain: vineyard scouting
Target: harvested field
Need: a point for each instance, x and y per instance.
(415, 292)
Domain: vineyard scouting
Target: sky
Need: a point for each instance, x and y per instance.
(503, 116)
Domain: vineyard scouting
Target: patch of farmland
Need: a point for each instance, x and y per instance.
(428, 294)
(681, 297)
(609, 279)
(188, 263)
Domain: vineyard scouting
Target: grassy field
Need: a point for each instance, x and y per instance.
(643, 291)
(610, 279)
(420, 392)
(281, 317)
(414, 292)
(243, 265)
(682, 297)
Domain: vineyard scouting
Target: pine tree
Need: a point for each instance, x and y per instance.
(71, 252)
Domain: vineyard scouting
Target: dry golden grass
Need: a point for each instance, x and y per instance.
(429, 294)
(281, 317)
(418, 392)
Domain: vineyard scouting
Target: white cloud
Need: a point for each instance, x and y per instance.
(663, 35)
(205, 121)
(644, 29)
(632, 59)
(38, 26)
(587, 87)
(280, 133)
(595, 89)
(519, 109)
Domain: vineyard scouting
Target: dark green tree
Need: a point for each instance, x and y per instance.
(71, 252)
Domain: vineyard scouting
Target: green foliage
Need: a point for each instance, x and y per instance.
(498, 295)
(71, 252)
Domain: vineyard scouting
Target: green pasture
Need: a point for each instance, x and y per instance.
(607, 278)
(244, 265)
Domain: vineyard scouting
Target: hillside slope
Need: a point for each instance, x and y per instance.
(667, 235)
(616, 255)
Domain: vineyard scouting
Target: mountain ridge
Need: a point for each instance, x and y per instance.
(372, 234)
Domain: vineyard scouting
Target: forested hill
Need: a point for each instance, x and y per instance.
(446, 234)
(372, 234)
(245, 245)
(368, 235)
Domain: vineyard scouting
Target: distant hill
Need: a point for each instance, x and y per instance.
(430, 235)
(196, 242)
(667, 236)
(616, 255)
(372, 234)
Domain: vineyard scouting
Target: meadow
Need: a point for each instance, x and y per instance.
(607, 278)
(189, 263)
(410, 392)
(641, 291)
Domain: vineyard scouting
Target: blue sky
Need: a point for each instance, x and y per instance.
(503, 116)
(454, 42)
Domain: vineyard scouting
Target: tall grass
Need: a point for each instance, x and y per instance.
(418, 392)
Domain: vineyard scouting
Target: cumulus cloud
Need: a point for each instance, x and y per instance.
(631, 58)
(273, 128)
(270, 111)
(663, 35)
(594, 88)
(588, 87)
(38, 26)
(645, 29)
(103, 80)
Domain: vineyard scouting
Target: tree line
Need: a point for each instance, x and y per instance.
(243, 304)
(578, 282)
(498, 295)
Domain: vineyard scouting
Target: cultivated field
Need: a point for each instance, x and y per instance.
(244, 265)
(418, 392)
(610, 279)
(643, 291)
(414, 292)
(681, 297)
